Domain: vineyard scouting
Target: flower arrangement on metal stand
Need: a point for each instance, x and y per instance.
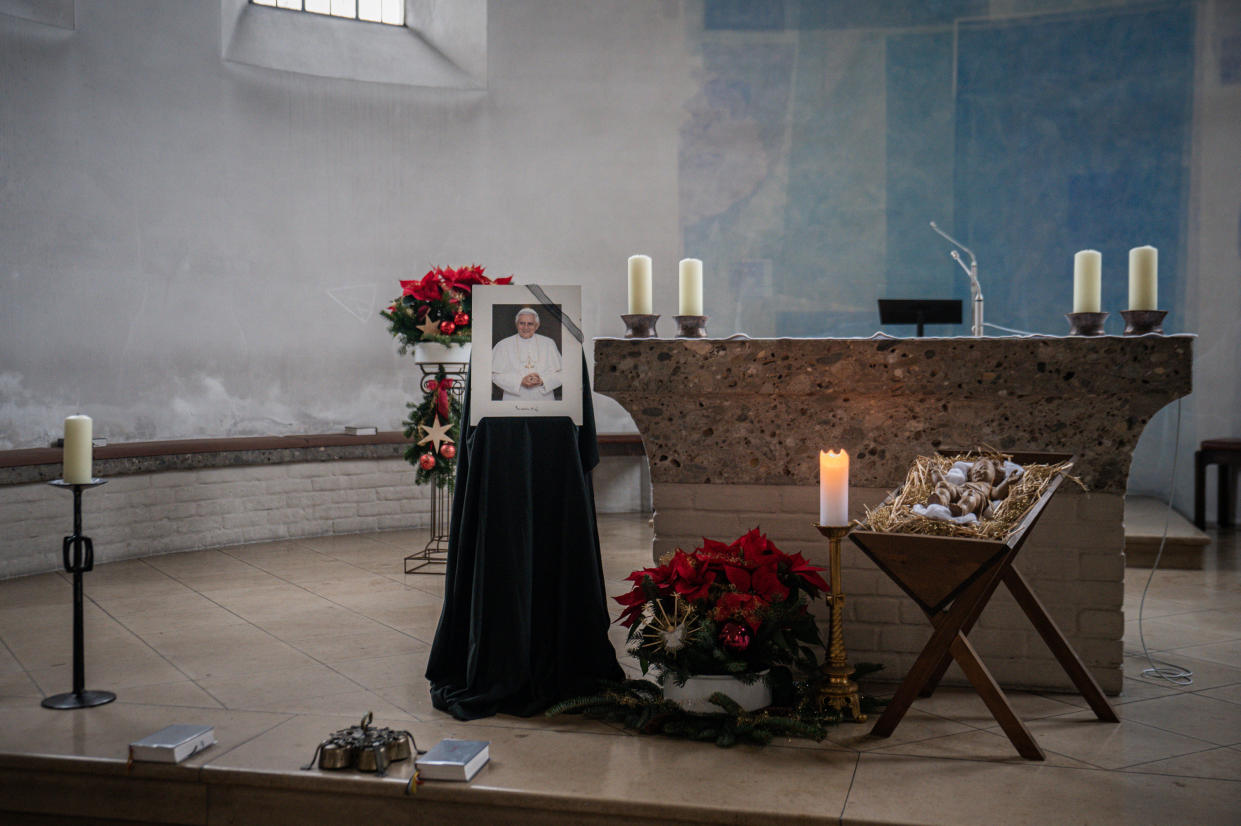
(436, 308)
(431, 316)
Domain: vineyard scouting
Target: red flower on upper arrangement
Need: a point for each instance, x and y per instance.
(463, 278)
(442, 296)
(429, 288)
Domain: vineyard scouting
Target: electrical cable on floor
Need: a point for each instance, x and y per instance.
(1171, 672)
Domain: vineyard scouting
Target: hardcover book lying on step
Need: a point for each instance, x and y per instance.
(172, 744)
(453, 760)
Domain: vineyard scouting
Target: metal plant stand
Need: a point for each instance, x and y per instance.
(436, 551)
(79, 557)
(433, 558)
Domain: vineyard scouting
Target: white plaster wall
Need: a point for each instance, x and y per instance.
(190, 246)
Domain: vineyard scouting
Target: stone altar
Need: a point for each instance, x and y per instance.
(732, 429)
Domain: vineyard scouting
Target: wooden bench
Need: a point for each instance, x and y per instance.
(1225, 454)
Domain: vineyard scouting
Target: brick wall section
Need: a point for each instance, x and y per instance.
(182, 510)
(1073, 561)
(158, 513)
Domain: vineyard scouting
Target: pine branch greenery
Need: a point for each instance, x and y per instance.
(640, 705)
(443, 468)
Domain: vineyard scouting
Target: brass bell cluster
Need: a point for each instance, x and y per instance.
(364, 748)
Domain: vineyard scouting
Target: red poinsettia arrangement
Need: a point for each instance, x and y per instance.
(724, 609)
(436, 307)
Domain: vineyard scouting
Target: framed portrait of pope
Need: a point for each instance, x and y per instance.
(527, 354)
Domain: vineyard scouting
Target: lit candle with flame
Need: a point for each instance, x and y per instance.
(833, 488)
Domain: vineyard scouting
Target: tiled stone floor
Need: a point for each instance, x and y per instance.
(279, 644)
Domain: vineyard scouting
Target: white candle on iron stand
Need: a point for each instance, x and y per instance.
(640, 285)
(1144, 278)
(834, 488)
(1087, 281)
(78, 450)
(691, 286)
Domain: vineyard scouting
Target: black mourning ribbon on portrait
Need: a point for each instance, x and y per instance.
(554, 309)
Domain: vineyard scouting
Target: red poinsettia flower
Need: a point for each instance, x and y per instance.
(691, 579)
(763, 581)
(716, 553)
(808, 573)
(745, 607)
(660, 577)
(634, 602)
(756, 549)
(429, 288)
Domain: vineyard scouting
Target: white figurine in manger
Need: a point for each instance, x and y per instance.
(969, 491)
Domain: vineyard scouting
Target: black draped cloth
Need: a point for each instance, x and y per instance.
(525, 622)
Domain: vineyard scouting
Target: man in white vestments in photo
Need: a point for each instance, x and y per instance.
(526, 366)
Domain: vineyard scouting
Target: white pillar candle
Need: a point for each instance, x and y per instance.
(834, 488)
(77, 456)
(1087, 281)
(1143, 278)
(640, 285)
(691, 286)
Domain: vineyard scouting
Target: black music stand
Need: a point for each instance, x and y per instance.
(920, 311)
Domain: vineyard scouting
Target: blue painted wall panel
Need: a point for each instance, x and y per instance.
(1071, 134)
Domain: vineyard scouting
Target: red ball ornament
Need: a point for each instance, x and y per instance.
(426, 461)
(447, 327)
(448, 451)
(736, 636)
(461, 319)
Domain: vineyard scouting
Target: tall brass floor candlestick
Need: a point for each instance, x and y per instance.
(840, 693)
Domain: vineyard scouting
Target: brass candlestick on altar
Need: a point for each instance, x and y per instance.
(840, 693)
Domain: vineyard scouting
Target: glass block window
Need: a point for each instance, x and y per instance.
(391, 12)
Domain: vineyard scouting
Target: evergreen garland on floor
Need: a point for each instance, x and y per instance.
(435, 460)
(640, 705)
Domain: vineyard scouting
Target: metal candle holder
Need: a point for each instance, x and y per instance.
(1141, 322)
(691, 326)
(81, 561)
(841, 693)
(1086, 324)
(640, 325)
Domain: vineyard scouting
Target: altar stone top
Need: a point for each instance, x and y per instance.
(757, 411)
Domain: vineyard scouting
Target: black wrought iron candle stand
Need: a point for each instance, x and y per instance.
(78, 555)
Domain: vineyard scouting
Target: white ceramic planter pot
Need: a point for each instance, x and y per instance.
(432, 352)
(695, 695)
